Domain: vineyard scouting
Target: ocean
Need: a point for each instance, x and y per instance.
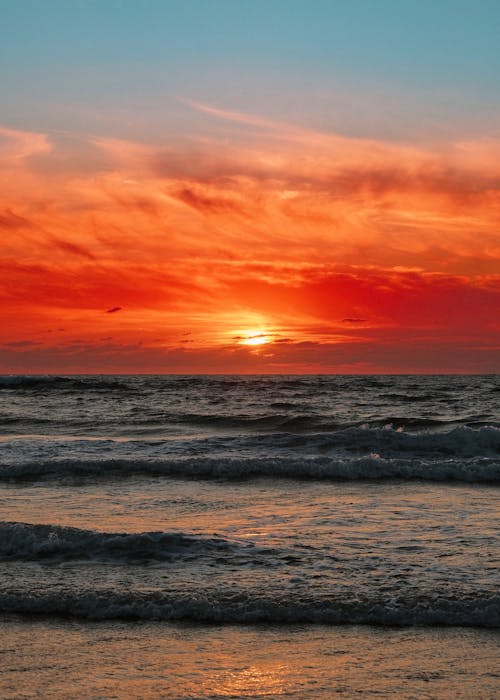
(201, 537)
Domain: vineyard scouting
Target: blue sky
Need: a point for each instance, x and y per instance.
(391, 69)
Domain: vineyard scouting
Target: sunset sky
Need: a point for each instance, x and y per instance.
(223, 186)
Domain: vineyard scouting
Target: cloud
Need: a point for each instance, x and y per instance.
(248, 119)
(17, 145)
(414, 355)
(74, 249)
(206, 203)
(114, 309)
(324, 243)
(11, 220)
(19, 344)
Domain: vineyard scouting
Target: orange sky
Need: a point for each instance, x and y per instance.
(330, 253)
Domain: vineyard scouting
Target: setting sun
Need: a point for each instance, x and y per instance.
(255, 339)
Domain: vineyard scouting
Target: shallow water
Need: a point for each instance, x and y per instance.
(151, 660)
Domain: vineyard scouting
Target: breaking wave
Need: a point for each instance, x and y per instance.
(54, 382)
(241, 607)
(27, 542)
(372, 467)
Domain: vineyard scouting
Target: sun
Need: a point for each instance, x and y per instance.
(254, 338)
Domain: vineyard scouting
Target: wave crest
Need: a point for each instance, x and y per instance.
(27, 542)
(218, 607)
(32, 382)
(371, 467)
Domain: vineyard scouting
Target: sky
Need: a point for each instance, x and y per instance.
(279, 186)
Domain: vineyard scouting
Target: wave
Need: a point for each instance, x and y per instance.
(417, 431)
(27, 542)
(55, 382)
(413, 397)
(159, 382)
(242, 607)
(269, 421)
(372, 467)
(392, 439)
(292, 422)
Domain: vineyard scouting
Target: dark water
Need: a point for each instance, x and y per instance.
(258, 500)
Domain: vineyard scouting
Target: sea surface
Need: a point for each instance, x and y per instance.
(201, 537)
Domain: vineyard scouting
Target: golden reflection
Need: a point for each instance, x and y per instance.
(252, 681)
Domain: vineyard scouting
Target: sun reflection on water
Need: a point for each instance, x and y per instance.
(251, 681)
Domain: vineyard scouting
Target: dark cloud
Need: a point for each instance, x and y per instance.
(10, 220)
(386, 350)
(432, 174)
(206, 203)
(22, 344)
(74, 249)
(114, 309)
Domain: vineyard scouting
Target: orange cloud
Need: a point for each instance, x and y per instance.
(16, 145)
(329, 246)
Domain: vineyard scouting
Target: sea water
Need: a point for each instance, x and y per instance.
(249, 536)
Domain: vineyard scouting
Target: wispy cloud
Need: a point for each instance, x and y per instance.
(16, 145)
(316, 240)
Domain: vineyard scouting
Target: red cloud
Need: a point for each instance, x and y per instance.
(74, 249)
(346, 253)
